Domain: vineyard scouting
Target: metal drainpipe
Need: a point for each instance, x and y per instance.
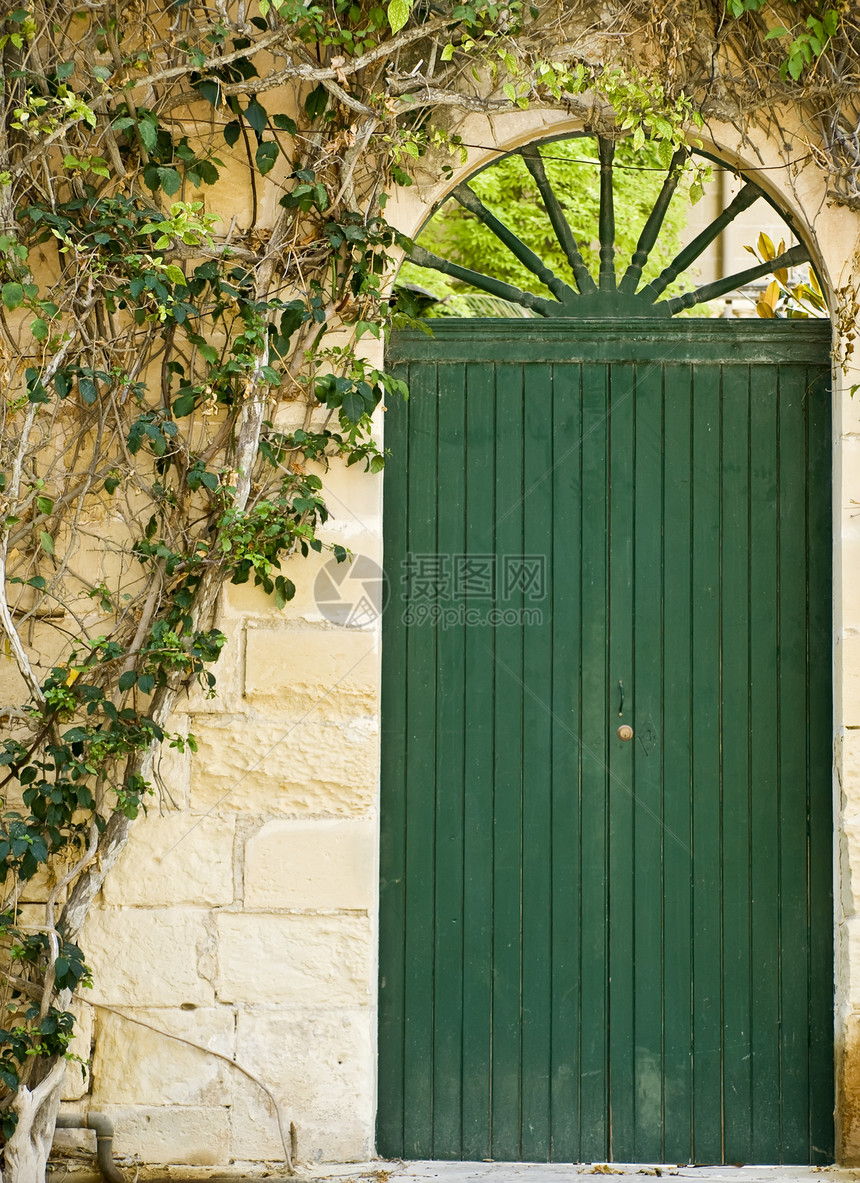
(103, 1127)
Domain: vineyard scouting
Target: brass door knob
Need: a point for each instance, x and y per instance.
(625, 732)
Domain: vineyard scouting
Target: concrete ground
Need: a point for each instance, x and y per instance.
(505, 1172)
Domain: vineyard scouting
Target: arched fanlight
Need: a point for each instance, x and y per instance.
(606, 296)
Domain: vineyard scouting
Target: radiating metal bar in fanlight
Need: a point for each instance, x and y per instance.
(701, 242)
(606, 224)
(495, 287)
(712, 291)
(469, 199)
(534, 163)
(651, 229)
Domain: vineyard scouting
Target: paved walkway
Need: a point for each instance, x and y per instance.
(506, 1172)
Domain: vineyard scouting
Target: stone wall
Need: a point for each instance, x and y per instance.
(242, 916)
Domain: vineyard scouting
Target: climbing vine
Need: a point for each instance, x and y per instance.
(181, 366)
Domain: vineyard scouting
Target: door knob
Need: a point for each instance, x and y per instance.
(625, 731)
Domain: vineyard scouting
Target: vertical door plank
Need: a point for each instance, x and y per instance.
(734, 712)
(420, 785)
(478, 727)
(793, 837)
(647, 751)
(593, 822)
(538, 835)
(392, 888)
(677, 771)
(565, 610)
(449, 739)
(820, 741)
(764, 739)
(622, 893)
(508, 777)
(707, 835)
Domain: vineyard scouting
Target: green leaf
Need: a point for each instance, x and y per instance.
(89, 390)
(127, 680)
(232, 131)
(777, 31)
(176, 274)
(44, 504)
(208, 172)
(184, 405)
(284, 123)
(398, 14)
(12, 294)
(147, 129)
(47, 542)
(316, 102)
(210, 89)
(353, 407)
(146, 684)
(447, 52)
(257, 116)
(169, 180)
(112, 483)
(39, 329)
(266, 155)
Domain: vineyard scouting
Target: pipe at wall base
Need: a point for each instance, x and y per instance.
(103, 1127)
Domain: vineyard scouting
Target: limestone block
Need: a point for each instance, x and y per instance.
(294, 960)
(849, 420)
(848, 653)
(353, 495)
(176, 859)
(294, 668)
(848, 956)
(848, 1089)
(228, 672)
(847, 585)
(289, 765)
(312, 864)
(77, 1082)
(172, 771)
(141, 957)
(37, 889)
(329, 1094)
(165, 1072)
(13, 692)
(245, 599)
(849, 460)
(77, 1144)
(171, 1134)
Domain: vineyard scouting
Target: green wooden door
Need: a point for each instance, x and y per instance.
(591, 948)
